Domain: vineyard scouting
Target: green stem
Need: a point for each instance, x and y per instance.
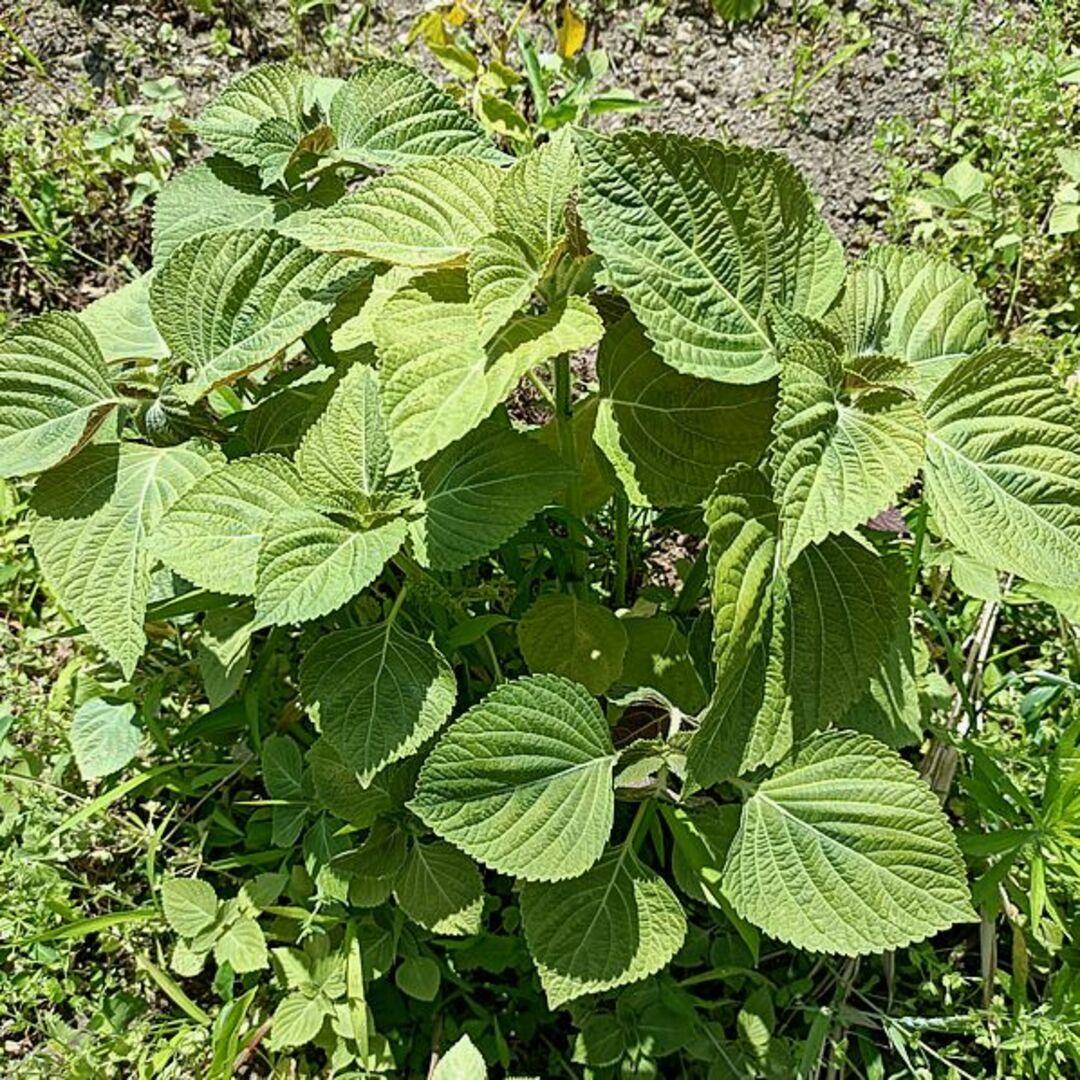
(564, 412)
(622, 545)
(639, 827)
(691, 590)
(916, 551)
(396, 606)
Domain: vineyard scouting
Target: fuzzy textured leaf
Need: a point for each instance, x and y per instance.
(845, 849)
(522, 781)
(441, 889)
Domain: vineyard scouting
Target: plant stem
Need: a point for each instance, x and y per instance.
(640, 825)
(622, 545)
(564, 412)
(396, 606)
(916, 551)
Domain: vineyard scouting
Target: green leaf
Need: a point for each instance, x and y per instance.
(794, 649)
(522, 781)
(299, 1018)
(425, 214)
(578, 639)
(103, 737)
(338, 790)
(418, 977)
(588, 466)
(480, 491)
(658, 658)
(845, 849)
(503, 274)
(190, 905)
(936, 316)
(441, 889)
(231, 122)
(614, 925)
(678, 433)
(380, 692)
(353, 321)
(390, 114)
(242, 946)
(309, 565)
(282, 768)
(227, 302)
(54, 392)
(734, 11)
(220, 195)
(703, 835)
(889, 709)
(1003, 466)
(858, 316)
(211, 536)
(843, 448)
(122, 324)
(93, 515)
(699, 237)
(461, 1062)
(531, 202)
(224, 650)
(342, 458)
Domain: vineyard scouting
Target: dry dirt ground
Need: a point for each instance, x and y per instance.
(702, 76)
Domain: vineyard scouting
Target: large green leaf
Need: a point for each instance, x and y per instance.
(700, 238)
(380, 694)
(889, 709)
(480, 491)
(390, 114)
(794, 649)
(231, 122)
(343, 456)
(503, 274)
(309, 565)
(93, 515)
(532, 201)
(461, 1062)
(441, 889)
(426, 214)
(103, 738)
(54, 392)
(438, 377)
(353, 321)
(522, 781)
(227, 302)
(678, 432)
(848, 440)
(212, 534)
(1003, 466)
(935, 314)
(220, 195)
(580, 639)
(845, 849)
(122, 324)
(614, 925)
(658, 659)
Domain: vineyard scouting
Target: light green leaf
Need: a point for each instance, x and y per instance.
(220, 195)
(231, 122)
(794, 650)
(227, 302)
(190, 905)
(390, 114)
(703, 836)
(936, 316)
(480, 491)
(441, 889)
(858, 316)
(309, 565)
(122, 324)
(380, 692)
(845, 849)
(425, 214)
(678, 433)
(614, 925)
(224, 650)
(522, 781)
(93, 515)
(699, 238)
(847, 442)
(242, 946)
(282, 768)
(532, 201)
(461, 1062)
(299, 1018)
(581, 640)
(103, 737)
(503, 274)
(1003, 466)
(54, 392)
(353, 321)
(658, 658)
(734, 11)
(211, 536)
(342, 458)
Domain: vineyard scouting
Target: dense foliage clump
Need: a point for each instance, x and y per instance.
(484, 749)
